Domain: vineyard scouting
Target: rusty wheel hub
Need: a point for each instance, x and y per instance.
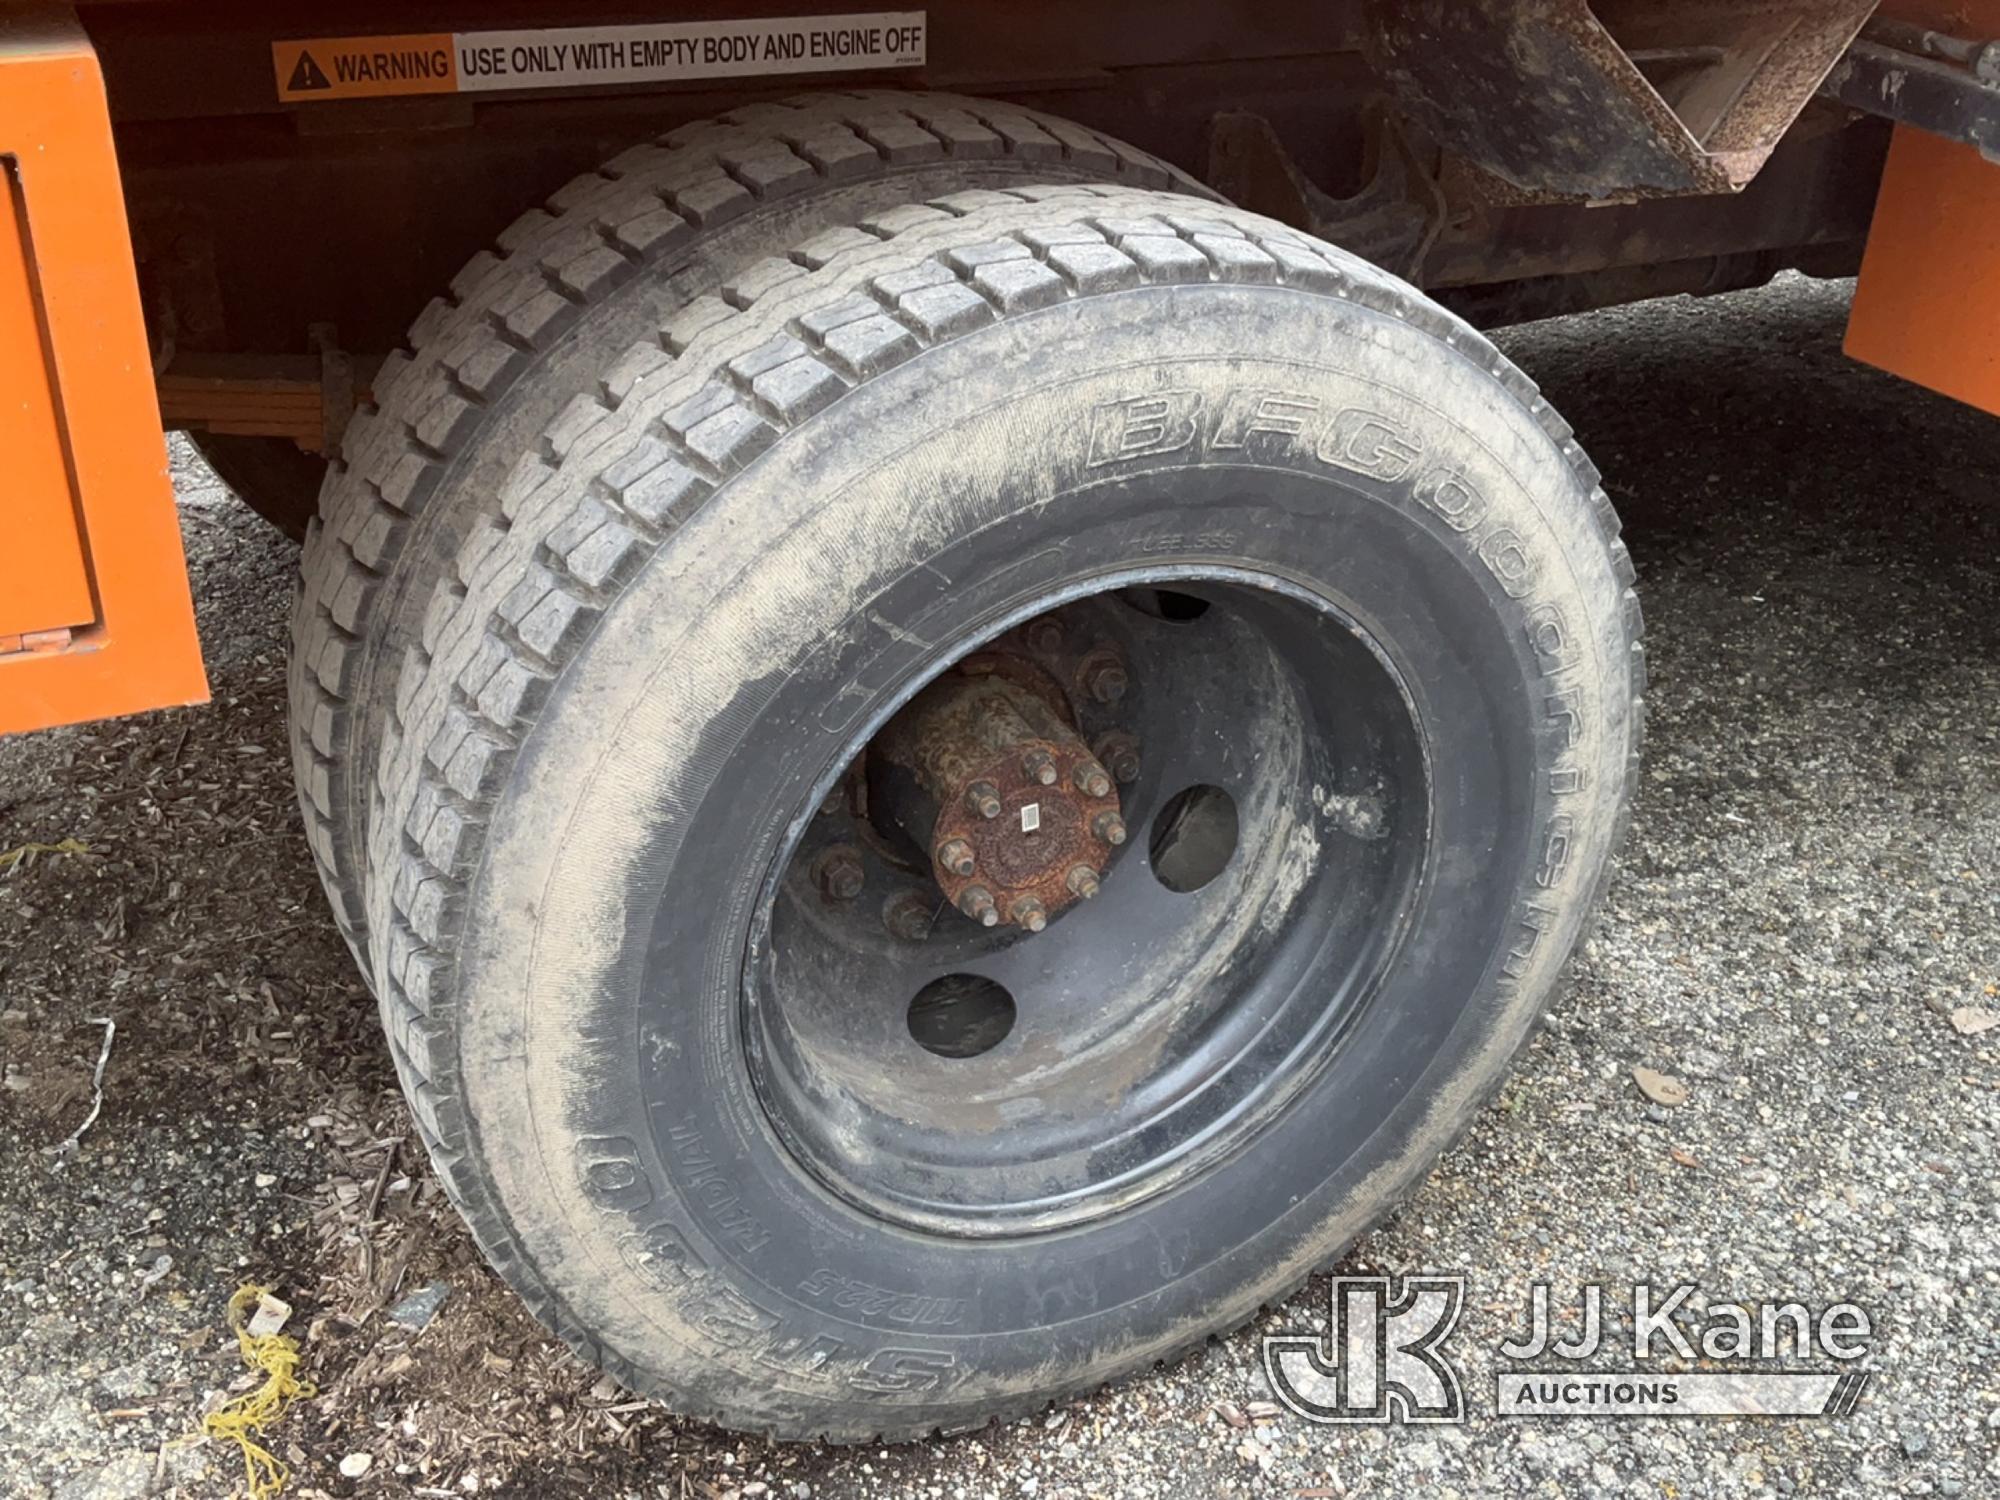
(986, 771)
(979, 1006)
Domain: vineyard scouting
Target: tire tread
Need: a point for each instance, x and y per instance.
(471, 690)
(512, 303)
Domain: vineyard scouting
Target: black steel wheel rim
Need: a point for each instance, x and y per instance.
(989, 1082)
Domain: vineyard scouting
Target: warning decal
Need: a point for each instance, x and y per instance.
(306, 75)
(365, 67)
(362, 67)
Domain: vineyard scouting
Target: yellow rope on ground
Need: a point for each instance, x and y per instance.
(254, 1411)
(68, 846)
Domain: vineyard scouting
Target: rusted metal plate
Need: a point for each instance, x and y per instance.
(1550, 98)
(1965, 18)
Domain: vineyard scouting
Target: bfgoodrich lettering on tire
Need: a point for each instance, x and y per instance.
(1012, 798)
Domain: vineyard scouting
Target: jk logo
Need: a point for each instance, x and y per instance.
(1378, 1360)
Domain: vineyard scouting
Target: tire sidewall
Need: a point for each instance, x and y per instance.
(626, 1154)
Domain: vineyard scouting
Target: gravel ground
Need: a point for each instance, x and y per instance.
(1808, 897)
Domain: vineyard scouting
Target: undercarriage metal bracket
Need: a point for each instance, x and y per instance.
(1560, 99)
(1390, 221)
(1954, 97)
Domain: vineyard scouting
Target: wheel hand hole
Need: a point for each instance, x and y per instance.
(961, 1015)
(1165, 604)
(1193, 838)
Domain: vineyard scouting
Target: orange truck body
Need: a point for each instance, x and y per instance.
(1929, 293)
(95, 613)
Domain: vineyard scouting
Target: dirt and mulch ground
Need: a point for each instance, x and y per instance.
(1806, 933)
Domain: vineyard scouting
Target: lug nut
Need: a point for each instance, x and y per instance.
(1120, 754)
(983, 797)
(1045, 635)
(1040, 766)
(908, 916)
(1028, 913)
(839, 874)
(1104, 679)
(1082, 881)
(1091, 780)
(956, 856)
(1109, 827)
(977, 903)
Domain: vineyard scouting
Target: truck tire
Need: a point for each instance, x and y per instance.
(273, 476)
(530, 330)
(761, 1136)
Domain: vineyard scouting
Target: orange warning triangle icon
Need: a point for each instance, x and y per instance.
(307, 76)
